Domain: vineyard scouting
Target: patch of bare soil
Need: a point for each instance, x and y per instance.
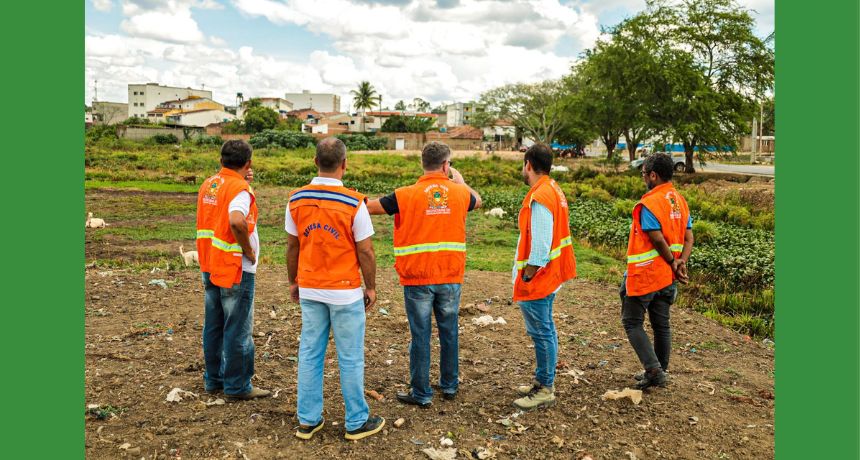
(143, 340)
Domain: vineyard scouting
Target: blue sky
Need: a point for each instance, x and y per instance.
(439, 50)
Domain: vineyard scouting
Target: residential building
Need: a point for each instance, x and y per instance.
(329, 123)
(321, 102)
(373, 121)
(170, 108)
(282, 106)
(461, 113)
(109, 113)
(147, 96)
(200, 117)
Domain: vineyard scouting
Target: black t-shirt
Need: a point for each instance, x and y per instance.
(389, 203)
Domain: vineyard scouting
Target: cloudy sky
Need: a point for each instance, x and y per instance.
(439, 50)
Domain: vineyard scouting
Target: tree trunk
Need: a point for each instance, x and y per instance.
(688, 153)
(610, 142)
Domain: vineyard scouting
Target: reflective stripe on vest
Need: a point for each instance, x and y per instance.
(555, 253)
(225, 246)
(205, 233)
(652, 254)
(430, 247)
(676, 247)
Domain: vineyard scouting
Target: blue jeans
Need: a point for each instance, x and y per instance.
(540, 326)
(228, 345)
(443, 301)
(347, 324)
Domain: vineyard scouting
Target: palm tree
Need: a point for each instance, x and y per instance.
(364, 98)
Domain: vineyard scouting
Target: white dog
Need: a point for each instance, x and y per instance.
(189, 257)
(496, 212)
(93, 222)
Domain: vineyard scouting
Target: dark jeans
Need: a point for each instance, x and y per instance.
(657, 305)
(443, 302)
(228, 345)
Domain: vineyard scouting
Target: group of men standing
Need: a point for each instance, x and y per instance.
(330, 252)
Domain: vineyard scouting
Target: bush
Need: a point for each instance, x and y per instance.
(598, 194)
(208, 140)
(704, 231)
(165, 139)
(739, 215)
(98, 132)
(283, 139)
(363, 142)
(623, 208)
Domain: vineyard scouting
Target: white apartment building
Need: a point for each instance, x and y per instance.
(321, 102)
(460, 113)
(282, 106)
(200, 118)
(147, 96)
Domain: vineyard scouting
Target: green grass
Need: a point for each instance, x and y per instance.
(141, 185)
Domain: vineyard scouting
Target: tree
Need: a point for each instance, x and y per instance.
(715, 67)
(253, 102)
(594, 98)
(404, 124)
(768, 118)
(364, 98)
(400, 106)
(420, 105)
(260, 118)
(534, 108)
(440, 109)
(290, 124)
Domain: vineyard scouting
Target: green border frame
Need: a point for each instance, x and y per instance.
(817, 248)
(43, 322)
(817, 402)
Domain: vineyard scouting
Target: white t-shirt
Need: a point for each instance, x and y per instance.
(362, 229)
(242, 203)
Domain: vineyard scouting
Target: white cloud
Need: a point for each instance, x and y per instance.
(406, 49)
(103, 5)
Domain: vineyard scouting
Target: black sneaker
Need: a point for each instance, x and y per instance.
(407, 398)
(652, 379)
(372, 426)
(641, 375)
(449, 396)
(307, 431)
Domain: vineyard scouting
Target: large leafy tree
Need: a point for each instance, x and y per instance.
(716, 70)
(595, 96)
(400, 106)
(404, 124)
(534, 108)
(259, 118)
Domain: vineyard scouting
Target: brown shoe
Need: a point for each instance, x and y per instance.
(253, 394)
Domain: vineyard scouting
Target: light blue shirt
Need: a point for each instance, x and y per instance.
(541, 244)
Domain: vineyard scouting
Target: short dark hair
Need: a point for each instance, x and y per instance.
(434, 154)
(235, 154)
(331, 152)
(660, 163)
(540, 156)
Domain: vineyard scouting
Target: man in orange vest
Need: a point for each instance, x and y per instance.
(227, 245)
(430, 257)
(544, 261)
(328, 240)
(660, 243)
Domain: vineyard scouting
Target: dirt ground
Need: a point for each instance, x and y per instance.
(143, 340)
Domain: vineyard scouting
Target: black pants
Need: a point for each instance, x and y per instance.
(657, 305)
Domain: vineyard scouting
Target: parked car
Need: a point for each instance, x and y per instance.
(678, 158)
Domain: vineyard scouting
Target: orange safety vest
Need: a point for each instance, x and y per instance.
(647, 271)
(430, 231)
(218, 252)
(562, 261)
(324, 215)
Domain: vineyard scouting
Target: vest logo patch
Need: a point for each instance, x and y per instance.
(437, 199)
(673, 203)
(210, 196)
